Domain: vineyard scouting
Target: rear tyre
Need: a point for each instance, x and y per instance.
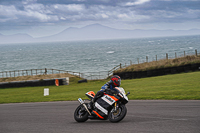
(118, 115)
(80, 114)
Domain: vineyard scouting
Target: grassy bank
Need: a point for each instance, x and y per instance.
(164, 63)
(169, 87)
(36, 77)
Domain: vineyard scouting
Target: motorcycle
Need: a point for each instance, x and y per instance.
(110, 106)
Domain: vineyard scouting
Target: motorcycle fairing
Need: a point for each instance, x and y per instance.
(108, 99)
(98, 114)
(90, 94)
(104, 104)
(101, 108)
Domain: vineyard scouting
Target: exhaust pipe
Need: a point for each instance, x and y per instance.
(82, 102)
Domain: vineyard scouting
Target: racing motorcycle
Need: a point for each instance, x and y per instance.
(110, 106)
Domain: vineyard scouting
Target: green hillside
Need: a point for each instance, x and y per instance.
(184, 86)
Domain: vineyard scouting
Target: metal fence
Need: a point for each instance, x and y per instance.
(139, 61)
(85, 75)
(33, 72)
(46, 71)
(100, 75)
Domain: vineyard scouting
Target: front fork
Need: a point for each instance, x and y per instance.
(115, 107)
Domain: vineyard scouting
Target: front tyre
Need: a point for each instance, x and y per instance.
(118, 115)
(80, 114)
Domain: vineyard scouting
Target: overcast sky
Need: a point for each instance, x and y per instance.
(46, 17)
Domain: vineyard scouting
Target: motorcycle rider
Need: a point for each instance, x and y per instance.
(109, 86)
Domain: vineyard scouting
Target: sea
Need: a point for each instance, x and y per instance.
(94, 56)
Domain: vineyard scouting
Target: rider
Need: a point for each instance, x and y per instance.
(110, 85)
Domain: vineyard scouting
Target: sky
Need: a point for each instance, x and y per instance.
(40, 18)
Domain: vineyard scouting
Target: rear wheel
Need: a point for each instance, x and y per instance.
(118, 115)
(80, 114)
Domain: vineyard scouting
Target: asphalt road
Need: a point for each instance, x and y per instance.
(154, 116)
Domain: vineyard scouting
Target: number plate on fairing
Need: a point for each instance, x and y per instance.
(108, 99)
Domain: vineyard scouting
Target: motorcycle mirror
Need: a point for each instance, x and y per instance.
(128, 93)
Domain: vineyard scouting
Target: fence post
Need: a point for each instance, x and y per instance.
(167, 56)
(156, 58)
(120, 65)
(146, 58)
(175, 55)
(184, 53)
(45, 71)
(196, 52)
(130, 62)
(138, 60)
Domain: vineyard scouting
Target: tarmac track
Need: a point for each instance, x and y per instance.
(143, 116)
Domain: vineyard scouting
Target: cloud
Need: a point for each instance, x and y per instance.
(28, 1)
(70, 7)
(82, 10)
(138, 2)
(29, 13)
(33, 12)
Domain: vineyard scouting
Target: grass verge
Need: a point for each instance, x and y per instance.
(164, 63)
(184, 86)
(36, 77)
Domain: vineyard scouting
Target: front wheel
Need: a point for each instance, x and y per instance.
(80, 114)
(118, 115)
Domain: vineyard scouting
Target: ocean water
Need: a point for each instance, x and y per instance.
(93, 56)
